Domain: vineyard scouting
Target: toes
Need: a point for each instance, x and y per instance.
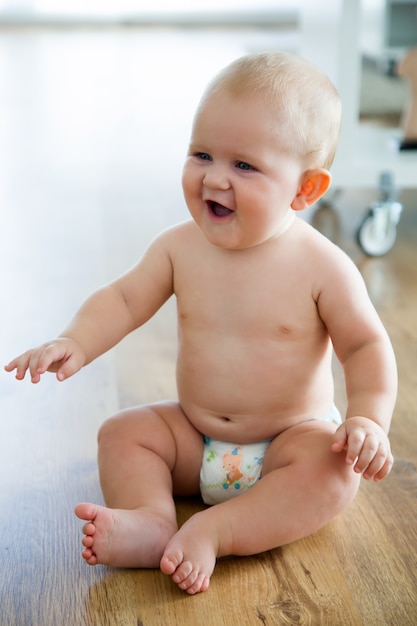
(171, 561)
(190, 579)
(87, 541)
(85, 511)
(89, 529)
(184, 571)
(201, 584)
(89, 556)
(87, 553)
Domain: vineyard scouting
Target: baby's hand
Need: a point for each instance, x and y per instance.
(367, 447)
(63, 356)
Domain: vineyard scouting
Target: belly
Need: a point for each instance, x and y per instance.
(245, 395)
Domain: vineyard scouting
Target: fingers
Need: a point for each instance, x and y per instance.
(385, 470)
(372, 457)
(355, 445)
(339, 439)
(367, 448)
(380, 467)
(20, 364)
(69, 367)
(43, 358)
(57, 356)
(36, 362)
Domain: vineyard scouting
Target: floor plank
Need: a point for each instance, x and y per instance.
(91, 147)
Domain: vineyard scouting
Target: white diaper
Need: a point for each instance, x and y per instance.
(229, 469)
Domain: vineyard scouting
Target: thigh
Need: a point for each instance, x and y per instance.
(189, 445)
(308, 443)
(163, 428)
(316, 474)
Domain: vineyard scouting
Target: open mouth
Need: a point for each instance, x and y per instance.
(218, 209)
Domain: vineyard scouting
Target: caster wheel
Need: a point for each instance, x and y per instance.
(377, 233)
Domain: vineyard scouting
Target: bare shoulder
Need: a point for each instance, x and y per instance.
(156, 263)
(181, 242)
(177, 234)
(340, 293)
(337, 284)
(325, 258)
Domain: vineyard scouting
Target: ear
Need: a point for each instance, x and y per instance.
(314, 184)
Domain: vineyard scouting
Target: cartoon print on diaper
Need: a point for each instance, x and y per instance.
(231, 464)
(229, 468)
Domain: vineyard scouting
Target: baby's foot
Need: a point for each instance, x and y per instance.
(123, 538)
(191, 554)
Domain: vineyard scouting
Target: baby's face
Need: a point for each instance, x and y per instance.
(239, 181)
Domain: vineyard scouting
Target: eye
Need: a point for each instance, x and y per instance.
(245, 167)
(203, 156)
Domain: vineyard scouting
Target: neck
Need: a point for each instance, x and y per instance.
(286, 223)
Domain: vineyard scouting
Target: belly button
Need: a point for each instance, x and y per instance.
(226, 419)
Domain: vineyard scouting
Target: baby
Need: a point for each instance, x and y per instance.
(263, 299)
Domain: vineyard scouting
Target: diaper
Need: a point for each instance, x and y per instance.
(229, 469)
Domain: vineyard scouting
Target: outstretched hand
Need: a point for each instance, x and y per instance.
(63, 356)
(367, 447)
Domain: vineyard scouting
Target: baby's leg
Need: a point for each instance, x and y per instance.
(304, 486)
(144, 454)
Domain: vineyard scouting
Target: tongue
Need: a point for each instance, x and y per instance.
(220, 210)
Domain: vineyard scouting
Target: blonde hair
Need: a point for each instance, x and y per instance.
(305, 100)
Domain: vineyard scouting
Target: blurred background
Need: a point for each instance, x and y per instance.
(97, 99)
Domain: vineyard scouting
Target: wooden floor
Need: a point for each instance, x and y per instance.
(93, 127)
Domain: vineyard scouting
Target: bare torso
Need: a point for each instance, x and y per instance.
(254, 355)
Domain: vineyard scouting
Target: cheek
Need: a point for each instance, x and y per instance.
(191, 181)
(255, 205)
(187, 172)
(188, 193)
(265, 202)
(185, 179)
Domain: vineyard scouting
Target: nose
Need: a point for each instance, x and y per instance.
(216, 177)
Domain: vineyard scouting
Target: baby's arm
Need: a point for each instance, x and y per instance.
(104, 319)
(365, 352)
